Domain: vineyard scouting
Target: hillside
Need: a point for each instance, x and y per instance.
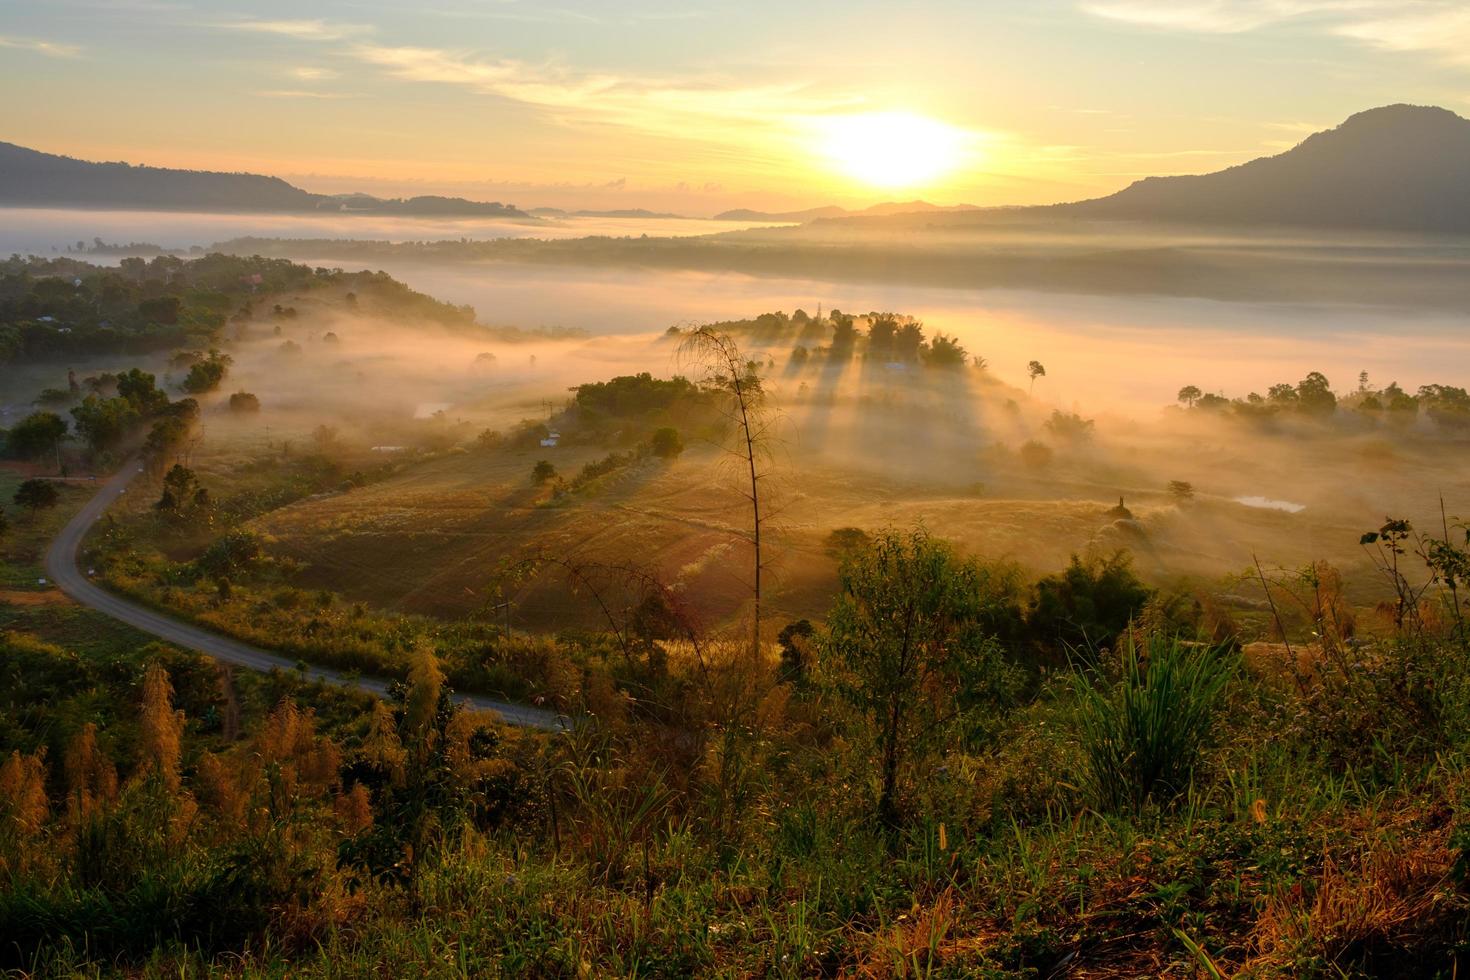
(30, 178)
(1396, 168)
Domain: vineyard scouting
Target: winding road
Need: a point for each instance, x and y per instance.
(61, 566)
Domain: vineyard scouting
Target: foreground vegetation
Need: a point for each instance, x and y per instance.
(961, 769)
(925, 785)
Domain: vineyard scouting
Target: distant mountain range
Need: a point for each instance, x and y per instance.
(643, 213)
(1395, 168)
(833, 211)
(29, 178)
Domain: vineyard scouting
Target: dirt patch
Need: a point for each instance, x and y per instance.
(49, 597)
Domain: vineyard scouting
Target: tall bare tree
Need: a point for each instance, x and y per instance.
(726, 369)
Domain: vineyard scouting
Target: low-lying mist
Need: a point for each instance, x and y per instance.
(1008, 468)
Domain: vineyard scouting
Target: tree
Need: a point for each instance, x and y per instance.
(4, 524)
(795, 640)
(1314, 395)
(243, 402)
(908, 341)
(666, 443)
(726, 370)
(844, 335)
(38, 434)
(1088, 605)
(36, 495)
(542, 472)
(140, 389)
(1035, 370)
(181, 492)
(881, 331)
(206, 375)
(1035, 455)
(946, 352)
(907, 647)
(102, 422)
(1181, 490)
(1070, 426)
(1189, 394)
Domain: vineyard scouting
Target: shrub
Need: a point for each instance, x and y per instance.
(244, 402)
(666, 443)
(542, 472)
(1087, 605)
(1142, 736)
(1035, 455)
(36, 495)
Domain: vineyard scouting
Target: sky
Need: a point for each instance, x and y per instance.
(696, 106)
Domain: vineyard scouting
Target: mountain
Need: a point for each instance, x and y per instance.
(833, 211)
(642, 213)
(1395, 168)
(810, 214)
(30, 178)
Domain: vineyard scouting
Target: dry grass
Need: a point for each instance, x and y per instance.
(1379, 904)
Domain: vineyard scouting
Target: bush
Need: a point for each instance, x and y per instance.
(1088, 605)
(244, 402)
(1035, 455)
(666, 443)
(1143, 735)
(542, 472)
(36, 495)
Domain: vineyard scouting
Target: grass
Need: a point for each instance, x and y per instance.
(1143, 735)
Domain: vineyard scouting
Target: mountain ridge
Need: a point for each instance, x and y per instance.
(32, 178)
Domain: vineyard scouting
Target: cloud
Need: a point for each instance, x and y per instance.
(1219, 16)
(682, 108)
(304, 30)
(1442, 30)
(294, 93)
(313, 74)
(1438, 27)
(49, 48)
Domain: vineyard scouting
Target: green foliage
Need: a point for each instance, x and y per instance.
(35, 436)
(795, 641)
(665, 442)
(36, 495)
(244, 403)
(1143, 735)
(207, 374)
(230, 554)
(542, 472)
(1089, 604)
(103, 422)
(1070, 427)
(946, 352)
(632, 396)
(907, 647)
(183, 496)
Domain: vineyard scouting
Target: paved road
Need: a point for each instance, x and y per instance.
(61, 566)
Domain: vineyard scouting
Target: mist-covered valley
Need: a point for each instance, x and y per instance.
(424, 586)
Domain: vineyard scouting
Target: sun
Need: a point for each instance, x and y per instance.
(893, 149)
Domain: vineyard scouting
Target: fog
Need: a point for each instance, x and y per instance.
(859, 443)
(1131, 353)
(50, 231)
(862, 442)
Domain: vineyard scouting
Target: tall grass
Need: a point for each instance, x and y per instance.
(1142, 735)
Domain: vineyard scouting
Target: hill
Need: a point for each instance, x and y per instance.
(30, 178)
(1395, 168)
